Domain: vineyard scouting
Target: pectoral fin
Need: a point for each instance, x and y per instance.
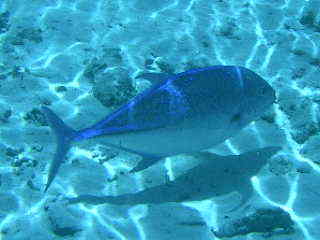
(146, 162)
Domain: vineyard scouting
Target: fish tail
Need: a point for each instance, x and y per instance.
(64, 135)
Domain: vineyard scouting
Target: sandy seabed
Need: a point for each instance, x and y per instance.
(82, 58)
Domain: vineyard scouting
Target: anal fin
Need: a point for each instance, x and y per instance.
(146, 161)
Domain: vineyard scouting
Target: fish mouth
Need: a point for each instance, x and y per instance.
(267, 106)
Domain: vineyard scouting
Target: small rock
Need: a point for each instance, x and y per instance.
(114, 88)
(35, 116)
(280, 165)
(264, 221)
(4, 22)
(62, 222)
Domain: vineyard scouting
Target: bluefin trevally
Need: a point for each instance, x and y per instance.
(181, 113)
(215, 176)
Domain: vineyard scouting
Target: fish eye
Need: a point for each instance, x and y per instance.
(263, 91)
(236, 117)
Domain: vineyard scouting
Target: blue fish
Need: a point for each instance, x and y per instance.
(181, 113)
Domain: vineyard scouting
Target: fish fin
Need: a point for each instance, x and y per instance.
(125, 199)
(244, 194)
(64, 135)
(155, 77)
(205, 156)
(147, 161)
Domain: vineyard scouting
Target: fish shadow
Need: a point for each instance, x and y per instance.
(215, 176)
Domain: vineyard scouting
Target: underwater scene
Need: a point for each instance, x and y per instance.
(159, 120)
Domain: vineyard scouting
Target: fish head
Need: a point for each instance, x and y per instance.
(257, 96)
(253, 161)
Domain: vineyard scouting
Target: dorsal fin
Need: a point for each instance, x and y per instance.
(155, 78)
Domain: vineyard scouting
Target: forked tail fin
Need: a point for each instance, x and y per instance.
(64, 135)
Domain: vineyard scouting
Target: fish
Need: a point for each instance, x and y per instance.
(180, 113)
(215, 176)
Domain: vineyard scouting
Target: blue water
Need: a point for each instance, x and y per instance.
(82, 58)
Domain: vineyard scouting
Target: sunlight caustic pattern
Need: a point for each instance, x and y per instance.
(85, 42)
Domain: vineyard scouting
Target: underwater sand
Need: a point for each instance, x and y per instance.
(81, 57)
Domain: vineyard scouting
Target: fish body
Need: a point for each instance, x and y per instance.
(181, 113)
